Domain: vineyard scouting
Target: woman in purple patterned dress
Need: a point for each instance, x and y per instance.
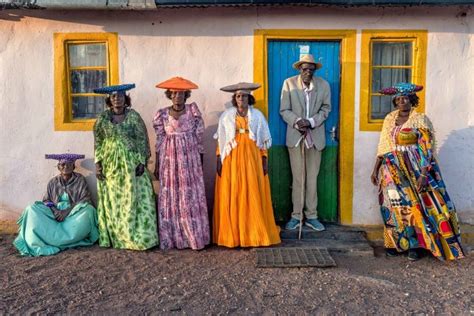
(182, 211)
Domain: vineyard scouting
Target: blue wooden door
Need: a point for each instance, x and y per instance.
(281, 56)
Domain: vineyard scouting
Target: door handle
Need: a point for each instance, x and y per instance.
(333, 133)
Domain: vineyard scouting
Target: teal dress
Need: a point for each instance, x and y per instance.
(126, 202)
(39, 233)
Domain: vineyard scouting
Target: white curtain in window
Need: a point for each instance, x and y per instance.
(387, 54)
(392, 54)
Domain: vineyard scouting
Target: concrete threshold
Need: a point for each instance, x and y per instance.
(337, 239)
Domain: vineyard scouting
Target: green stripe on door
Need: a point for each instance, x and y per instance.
(280, 181)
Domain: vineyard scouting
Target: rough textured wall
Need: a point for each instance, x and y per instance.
(214, 47)
(450, 107)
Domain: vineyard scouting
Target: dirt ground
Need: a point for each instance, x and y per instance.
(226, 281)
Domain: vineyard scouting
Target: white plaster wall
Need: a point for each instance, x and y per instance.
(214, 47)
(449, 89)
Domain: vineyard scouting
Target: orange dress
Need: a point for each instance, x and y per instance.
(243, 212)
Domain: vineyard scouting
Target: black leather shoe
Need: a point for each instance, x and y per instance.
(413, 255)
(391, 252)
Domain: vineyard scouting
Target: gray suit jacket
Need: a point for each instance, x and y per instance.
(292, 107)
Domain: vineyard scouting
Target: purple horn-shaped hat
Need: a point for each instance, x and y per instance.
(65, 157)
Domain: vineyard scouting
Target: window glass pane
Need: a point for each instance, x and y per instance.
(391, 53)
(387, 77)
(87, 55)
(381, 106)
(376, 80)
(87, 107)
(386, 105)
(85, 81)
(375, 102)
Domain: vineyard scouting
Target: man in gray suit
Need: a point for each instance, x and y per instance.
(305, 105)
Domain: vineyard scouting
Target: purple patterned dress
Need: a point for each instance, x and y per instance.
(182, 211)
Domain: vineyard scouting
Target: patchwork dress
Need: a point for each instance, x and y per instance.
(40, 234)
(413, 219)
(182, 208)
(126, 202)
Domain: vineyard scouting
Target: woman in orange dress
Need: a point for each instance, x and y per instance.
(243, 212)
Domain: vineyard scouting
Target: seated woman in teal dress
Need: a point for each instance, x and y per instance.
(64, 219)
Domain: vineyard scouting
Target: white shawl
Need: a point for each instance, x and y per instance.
(258, 130)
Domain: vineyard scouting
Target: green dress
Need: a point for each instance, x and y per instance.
(126, 202)
(39, 233)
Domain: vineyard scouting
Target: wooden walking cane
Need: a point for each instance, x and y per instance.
(303, 182)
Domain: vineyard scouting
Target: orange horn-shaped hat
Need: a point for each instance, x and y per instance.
(177, 83)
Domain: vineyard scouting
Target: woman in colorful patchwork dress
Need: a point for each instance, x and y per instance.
(243, 212)
(182, 210)
(64, 219)
(415, 206)
(126, 201)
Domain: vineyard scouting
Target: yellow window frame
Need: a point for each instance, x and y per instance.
(63, 120)
(419, 39)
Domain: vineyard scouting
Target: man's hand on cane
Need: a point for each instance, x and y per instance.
(303, 125)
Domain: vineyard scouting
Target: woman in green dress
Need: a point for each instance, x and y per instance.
(126, 200)
(65, 218)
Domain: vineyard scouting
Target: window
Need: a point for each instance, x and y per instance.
(83, 62)
(388, 57)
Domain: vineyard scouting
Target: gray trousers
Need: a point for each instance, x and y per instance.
(312, 163)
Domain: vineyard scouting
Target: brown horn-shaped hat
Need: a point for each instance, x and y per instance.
(245, 87)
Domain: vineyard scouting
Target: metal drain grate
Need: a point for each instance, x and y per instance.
(294, 257)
